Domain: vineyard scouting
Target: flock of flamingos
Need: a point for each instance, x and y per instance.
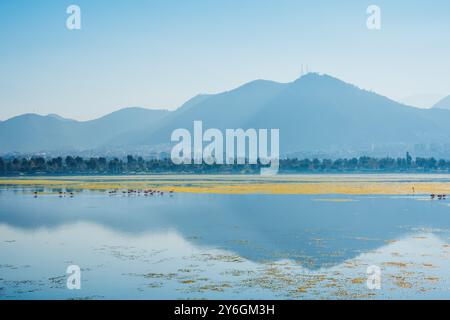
(129, 192)
(156, 192)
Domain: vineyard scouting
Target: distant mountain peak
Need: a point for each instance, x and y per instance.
(316, 112)
(28, 116)
(311, 75)
(135, 109)
(322, 78)
(58, 117)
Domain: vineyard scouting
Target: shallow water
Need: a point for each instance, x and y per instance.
(194, 246)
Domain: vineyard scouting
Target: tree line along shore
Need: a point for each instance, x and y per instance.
(69, 165)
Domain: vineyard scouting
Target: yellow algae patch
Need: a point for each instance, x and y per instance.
(368, 188)
(432, 279)
(335, 200)
(20, 182)
(428, 265)
(187, 281)
(333, 184)
(403, 284)
(358, 280)
(396, 264)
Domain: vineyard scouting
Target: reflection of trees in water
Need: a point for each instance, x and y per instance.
(256, 227)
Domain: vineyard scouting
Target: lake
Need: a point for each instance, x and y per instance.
(222, 246)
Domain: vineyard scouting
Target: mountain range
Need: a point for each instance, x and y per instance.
(316, 114)
(32, 133)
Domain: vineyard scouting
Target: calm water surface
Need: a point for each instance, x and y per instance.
(222, 246)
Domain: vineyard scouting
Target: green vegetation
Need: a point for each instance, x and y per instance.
(137, 165)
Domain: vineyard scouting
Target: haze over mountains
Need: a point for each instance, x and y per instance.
(316, 115)
(31, 133)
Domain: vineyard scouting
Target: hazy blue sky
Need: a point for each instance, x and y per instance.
(157, 54)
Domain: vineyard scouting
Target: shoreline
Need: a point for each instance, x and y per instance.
(393, 184)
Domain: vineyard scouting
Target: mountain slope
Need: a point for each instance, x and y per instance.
(443, 104)
(35, 133)
(321, 112)
(230, 109)
(315, 112)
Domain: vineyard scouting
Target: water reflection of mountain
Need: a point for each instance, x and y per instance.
(257, 227)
